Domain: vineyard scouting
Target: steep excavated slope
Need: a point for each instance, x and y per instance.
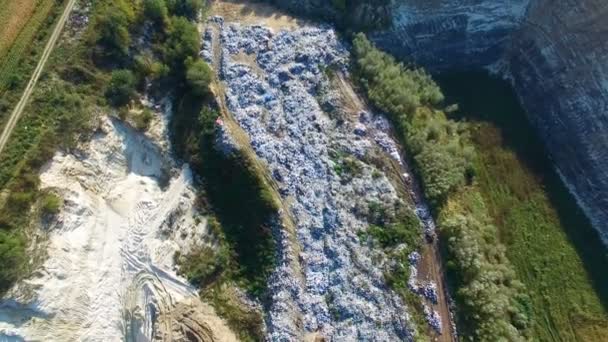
(559, 66)
(109, 274)
(555, 52)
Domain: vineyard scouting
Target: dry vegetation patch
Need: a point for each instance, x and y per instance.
(249, 13)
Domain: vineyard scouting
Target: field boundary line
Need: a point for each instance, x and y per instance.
(16, 114)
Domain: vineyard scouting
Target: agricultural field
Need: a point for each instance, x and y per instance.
(25, 29)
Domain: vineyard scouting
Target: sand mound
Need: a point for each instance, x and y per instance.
(110, 274)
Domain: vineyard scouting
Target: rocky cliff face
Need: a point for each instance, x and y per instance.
(559, 65)
(555, 53)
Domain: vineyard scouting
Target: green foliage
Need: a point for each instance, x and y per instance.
(51, 203)
(437, 144)
(121, 89)
(185, 8)
(404, 228)
(492, 303)
(212, 269)
(441, 170)
(247, 323)
(111, 34)
(203, 265)
(232, 185)
(552, 246)
(198, 75)
(12, 258)
(347, 167)
(146, 66)
(182, 42)
(491, 298)
(19, 60)
(394, 88)
(142, 120)
(57, 113)
(156, 10)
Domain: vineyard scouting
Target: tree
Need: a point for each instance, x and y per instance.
(122, 88)
(12, 258)
(146, 66)
(198, 76)
(182, 42)
(112, 33)
(156, 10)
(185, 8)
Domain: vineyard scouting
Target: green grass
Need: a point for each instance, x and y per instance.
(555, 251)
(59, 111)
(19, 61)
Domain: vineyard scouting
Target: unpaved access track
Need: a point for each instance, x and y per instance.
(238, 43)
(16, 114)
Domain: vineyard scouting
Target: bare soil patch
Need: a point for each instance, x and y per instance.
(250, 13)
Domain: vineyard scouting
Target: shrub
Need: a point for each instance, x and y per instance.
(491, 299)
(203, 265)
(146, 66)
(143, 119)
(111, 32)
(391, 230)
(156, 10)
(12, 258)
(51, 203)
(185, 8)
(198, 76)
(121, 89)
(182, 42)
(407, 94)
(232, 185)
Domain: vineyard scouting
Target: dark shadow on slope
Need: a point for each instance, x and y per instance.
(233, 192)
(484, 98)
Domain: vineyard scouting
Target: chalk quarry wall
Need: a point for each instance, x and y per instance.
(555, 53)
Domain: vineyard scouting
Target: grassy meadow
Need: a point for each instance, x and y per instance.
(555, 251)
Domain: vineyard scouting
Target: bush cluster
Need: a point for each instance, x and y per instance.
(408, 95)
(489, 294)
(492, 301)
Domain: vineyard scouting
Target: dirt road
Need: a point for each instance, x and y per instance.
(431, 266)
(16, 114)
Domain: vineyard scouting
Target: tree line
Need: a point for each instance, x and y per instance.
(492, 303)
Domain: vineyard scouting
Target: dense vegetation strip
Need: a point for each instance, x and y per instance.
(491, 300)
(554, 249)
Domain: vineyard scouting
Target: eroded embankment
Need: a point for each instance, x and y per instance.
(110, 274)
(318, 144)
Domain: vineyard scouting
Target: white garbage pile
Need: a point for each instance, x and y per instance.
(110, 271)
(343, 296)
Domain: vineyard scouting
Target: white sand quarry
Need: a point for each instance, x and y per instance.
(110, 275)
